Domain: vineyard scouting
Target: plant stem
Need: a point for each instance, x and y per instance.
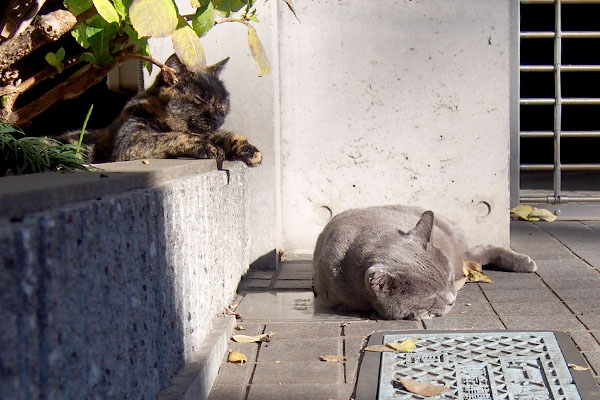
(87, 117)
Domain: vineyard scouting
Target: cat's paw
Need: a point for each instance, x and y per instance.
(250, 155)
(523, 263)
(207, 150)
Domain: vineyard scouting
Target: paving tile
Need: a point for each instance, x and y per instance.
(575, 235)
(249, 328)
(584, 306)
(553, 254)
(287, 306)
(471, 308)
(256, 284)
(261, 274)
(567, 323)
(516, 295)
(591, 257)
(365, 328)
(353, 347)
(299, 349)
(295, 271)
(585, 341)
(293, 284)
(470, 293)
(575, 281)
(297, 391)
(250, 350)
(307, 330)
(525, 282)
(596, 334)
(531, 308)
(593, 358)
(227, 392)
(463, 322)
(237, 374)
(317, 372)
(587, 294)
(592, 321)
(561, 264)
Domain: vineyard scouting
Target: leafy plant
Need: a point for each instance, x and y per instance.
(108, 32)
(28, 155)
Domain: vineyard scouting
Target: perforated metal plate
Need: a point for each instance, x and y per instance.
(479, 365)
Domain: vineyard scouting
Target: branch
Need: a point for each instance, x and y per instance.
(49, 28)
(163, 67)
(71, 88)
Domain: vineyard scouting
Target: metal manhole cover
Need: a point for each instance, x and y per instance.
(479, 365)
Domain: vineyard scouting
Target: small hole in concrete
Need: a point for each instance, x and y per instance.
(483, 209)
(324, 214)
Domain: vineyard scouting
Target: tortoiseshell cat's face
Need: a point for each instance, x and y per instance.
(198, 102)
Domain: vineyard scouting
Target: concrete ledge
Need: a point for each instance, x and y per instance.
(195, 380)
(110, 285)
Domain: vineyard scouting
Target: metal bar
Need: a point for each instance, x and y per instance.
(580, 101)
(563, 68)
(564, 134)
(563, 199)
(537, 102)
(557, 98)
(515, 95)
(566, 35)
(565, 167)
(563, 1)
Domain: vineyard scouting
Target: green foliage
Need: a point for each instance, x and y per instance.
(28, 155)
(56, 59)
(120, 23)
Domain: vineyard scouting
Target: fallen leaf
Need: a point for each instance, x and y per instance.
(468, 304)
(251, 339)
(236, 357)
(578, 367)
(543, 214)
(522, 211)
(463, 312)
(229, 311)
(378, 348)
(474, 271)
(406, 346)
(422, 388)
(330, 358)
(239, 328)
(145, 162)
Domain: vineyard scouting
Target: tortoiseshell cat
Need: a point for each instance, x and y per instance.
(173, 118)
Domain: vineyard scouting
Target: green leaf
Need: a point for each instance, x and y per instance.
(195, 3)
(60, 54)
(88, 57)
(106, 11)
(99, 35)
(51, 59)
(228, 7)
(76, 7)
(204, 19)
(79, 33)
(122, 7)
(188, 48)
(258, 52)
(155, 18)
(4, 101)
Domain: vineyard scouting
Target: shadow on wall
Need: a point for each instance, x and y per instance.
(88, 302)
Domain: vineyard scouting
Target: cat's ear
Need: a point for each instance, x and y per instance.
(180, 69)
(422, 231)
(380, 280)
(215, 69)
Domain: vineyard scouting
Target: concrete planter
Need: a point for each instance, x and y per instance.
(110, 281)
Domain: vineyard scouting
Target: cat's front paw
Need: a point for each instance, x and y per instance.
(524, 263)
(250, 155)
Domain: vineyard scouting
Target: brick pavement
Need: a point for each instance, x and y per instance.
(564, 294)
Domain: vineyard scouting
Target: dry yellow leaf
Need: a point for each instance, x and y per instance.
(330, 358)
(474, 272)
(522, 211)
(378, 348)
(543, 214)
(578, 367)
(251, 339)
(236, 357)
(239, 328)
(422, 388)
(406, 346)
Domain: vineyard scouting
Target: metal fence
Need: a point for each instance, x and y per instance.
(558, 101)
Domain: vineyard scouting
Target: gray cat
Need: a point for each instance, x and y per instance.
(399, 261)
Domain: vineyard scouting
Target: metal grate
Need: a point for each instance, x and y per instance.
(557, 101)
(482, 366)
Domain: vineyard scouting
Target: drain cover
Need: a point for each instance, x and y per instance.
(479, 365)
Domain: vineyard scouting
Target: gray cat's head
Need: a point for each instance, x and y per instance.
(413, 280)
(196, 102)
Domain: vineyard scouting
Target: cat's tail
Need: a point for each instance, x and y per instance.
(500, 257)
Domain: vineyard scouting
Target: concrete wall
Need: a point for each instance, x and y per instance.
(371, 103)
(108, 297)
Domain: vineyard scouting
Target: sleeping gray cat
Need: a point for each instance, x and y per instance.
(399, 261)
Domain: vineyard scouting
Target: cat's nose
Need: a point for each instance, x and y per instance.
(450, 298)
